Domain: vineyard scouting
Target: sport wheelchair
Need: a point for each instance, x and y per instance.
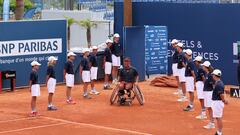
(128, 96)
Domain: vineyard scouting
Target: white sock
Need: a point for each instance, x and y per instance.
(219, 133)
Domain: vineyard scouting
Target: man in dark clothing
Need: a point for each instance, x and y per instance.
(128, 76)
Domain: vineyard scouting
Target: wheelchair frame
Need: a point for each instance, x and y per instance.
(136, 91)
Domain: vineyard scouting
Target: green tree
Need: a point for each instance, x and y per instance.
(70, 21)
(19, 11)
(87, 24)
(23, 5)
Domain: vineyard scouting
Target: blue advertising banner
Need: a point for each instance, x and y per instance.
(156, 49)
(24, 41)
(6, 10)
(210, 30)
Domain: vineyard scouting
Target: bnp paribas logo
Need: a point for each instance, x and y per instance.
(236, 52)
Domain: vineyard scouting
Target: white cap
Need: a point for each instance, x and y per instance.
(198, 58)
(71, 54)
(188, 52)
(180, 45)
(94, 47)
(116, 35)
(217, 72)
(206, 64)
(174, 41)
(35, 63)
(109, 41)
(86, 50)
(52, 58)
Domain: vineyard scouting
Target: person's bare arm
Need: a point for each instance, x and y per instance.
(64, 74)
(81, 69)
(30, 85)
(203, 78)
(47, 78)
(194, 76)
(137, 79)
(223, 99)
(104, 61)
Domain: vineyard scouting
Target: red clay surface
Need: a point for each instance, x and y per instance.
(161, 115)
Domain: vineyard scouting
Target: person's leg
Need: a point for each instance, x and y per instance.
(114, 72)
(183, 84)
(50, 96)
(33, 103)
(202, 106)
(92, 85)
(68, 93)
(129, 87)
(191, 96)
(106, 78)
(85, 85)
(210, 124)
(210, 114)
(179, 84)
(121, 88)
(220, 126)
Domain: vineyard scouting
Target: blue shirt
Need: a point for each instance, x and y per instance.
(69, 67)
(218, 90)
(116, 49)
(175, 56)
(128, 75)
(93, 60)
(208, 83)
(108, 55)
(85, 64)
(181, 58)
(34, 77)
(51, 72)
(190, 67)
(200, 73)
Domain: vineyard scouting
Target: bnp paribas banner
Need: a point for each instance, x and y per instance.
(25, 41)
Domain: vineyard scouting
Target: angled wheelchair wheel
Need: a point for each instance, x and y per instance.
(139, 95)
(114, 95)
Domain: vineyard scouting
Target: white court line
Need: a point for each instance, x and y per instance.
(13, 120)
(97, 126)
(30, 128)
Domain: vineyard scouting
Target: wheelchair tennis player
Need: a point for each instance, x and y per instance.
(127, 89)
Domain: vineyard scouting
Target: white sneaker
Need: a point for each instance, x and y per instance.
(178, 93)
(182, 99)
(201, 117)
(210, 125)
(175, 93)
(96, 92)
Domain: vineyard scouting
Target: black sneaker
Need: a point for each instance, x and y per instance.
(122, 100)
(188, 108)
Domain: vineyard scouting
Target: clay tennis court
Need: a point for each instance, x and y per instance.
(161, 114)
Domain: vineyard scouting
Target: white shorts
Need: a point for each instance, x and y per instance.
(181, 75)
(190, 84)
(116, 61)
(35, 90)
(207, 98)
(174, 69)
(217, 107)
(86, 76)
(108, 68)
(199, 87)
(51, 85)
(94, 71)
(69, 80)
